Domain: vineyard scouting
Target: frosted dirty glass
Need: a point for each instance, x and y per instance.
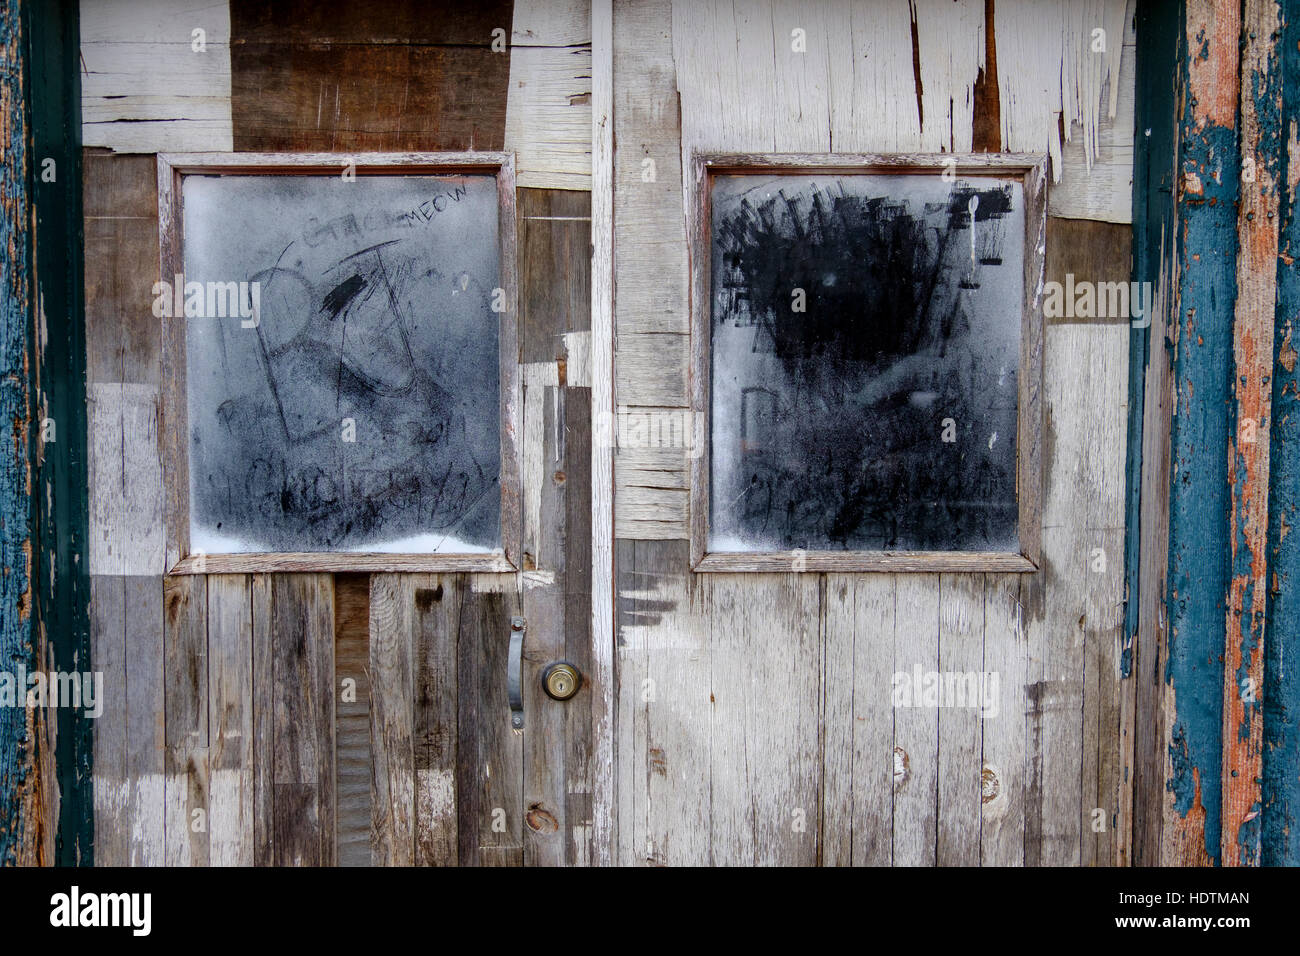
(360, 410)
(865, 339)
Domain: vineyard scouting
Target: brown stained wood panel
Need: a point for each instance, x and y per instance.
(986, 114)
(554, 270)
(123, 338)
(352, 716)
(338, 77)
(434, 22)
(1091, 252)
(436, 622)
(301, 642)
(489, 755)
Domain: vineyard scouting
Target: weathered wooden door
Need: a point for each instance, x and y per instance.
(755, 721)
(351, 718)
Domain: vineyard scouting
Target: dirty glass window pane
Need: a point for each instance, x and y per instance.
(865, 340)
(359, 410)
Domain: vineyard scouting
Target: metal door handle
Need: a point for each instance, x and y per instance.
(514, 674)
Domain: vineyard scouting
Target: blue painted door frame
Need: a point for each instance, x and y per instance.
(1214, 156)
(45, 754)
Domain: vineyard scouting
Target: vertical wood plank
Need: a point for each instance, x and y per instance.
(146, 720)
(352, 685)
(438, 603)
(112, 781)
(302, 637)
(859, 720)
(187, 740)
(961, 664)
(583, 712)
(604, 835)
(1002, 774)
(489, 754)
(392, 715)
(766, 774)
(264, 720)
(231, 703)
(916, 728)
(665, 665)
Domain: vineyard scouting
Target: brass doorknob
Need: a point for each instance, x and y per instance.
(561, 680)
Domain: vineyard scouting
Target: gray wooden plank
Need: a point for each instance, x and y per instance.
(231, 702)
(489, 754)
(302, 636)
(961, 663)
(125, 481)
(873, 715)
(1003, 782)
(666, 699)
(438, 602)
(187, 739)
(838, 686)
(263, 605)
(916, 728)
(765, 753)
(392, 716)
(146, 724)
(111, 780)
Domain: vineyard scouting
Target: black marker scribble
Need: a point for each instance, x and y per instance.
(847, 326)
(364, 407)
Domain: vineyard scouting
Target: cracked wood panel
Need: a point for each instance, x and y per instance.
(149, 82)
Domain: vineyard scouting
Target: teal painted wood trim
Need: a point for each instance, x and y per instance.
(62, 521)
(1280, 816)
(1159, 24)
(18, 829)
(1206, 192)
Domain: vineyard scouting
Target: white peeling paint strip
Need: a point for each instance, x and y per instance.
(950, 41)
(577, 370)
(144, 86)
(1051, 65)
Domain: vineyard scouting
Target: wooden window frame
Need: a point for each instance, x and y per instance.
(175, 451)
(1031, 170)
